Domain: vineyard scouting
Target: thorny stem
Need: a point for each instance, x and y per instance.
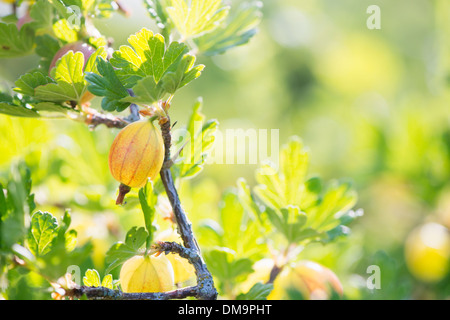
(205, 281)
(95, 119)
(102, 293)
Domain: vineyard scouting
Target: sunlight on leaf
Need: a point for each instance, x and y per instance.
(197, 17)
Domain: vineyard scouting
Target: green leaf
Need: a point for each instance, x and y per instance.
(311, 193)
(146, 91)
(23, 106)
(117, 255)
(66, 220)
(148, 200)
(294, 220)
(209, 233)
(70, 84)
(28, 82)
(87, 4)
(41, 13)
(43, 230)
(91, 64)
(120, 251)
(149, 68)
(135, 238)
(49, 109)
(10, 18)
(231, 219)
(46, 48)
(239, 28)
(294, 160)
(70, 78)
(64, 31)
(69, 236)
(15, 206)
(71, 240)
(196, 17)
(297, 207)
(306, 234)
(157, 10)
(247, 200)
(106, 84)
(60, 92)
(259, 291)
(91, 278)
(184, 74)
(3, 206)
(98, 42)
(199, 139)
(107, 282)
(336, 202)
(61, 6)
(53, 243)
(109, 104)
(342, 229)
(17, 110)
(223, 264)
(147, 56)
(15, 43)
(276, 220)
(284, 187)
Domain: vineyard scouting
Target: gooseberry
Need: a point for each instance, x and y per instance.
(147, 274)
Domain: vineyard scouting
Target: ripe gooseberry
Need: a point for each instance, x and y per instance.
(427, 252)
(147, 274)
(137, 153)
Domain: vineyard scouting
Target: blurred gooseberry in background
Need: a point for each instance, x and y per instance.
(427, 252)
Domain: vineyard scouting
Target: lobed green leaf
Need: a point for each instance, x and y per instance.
(14, 42)
(259, 291)
(43, 230)
(196, 17)
(122, 251)
(239, 28)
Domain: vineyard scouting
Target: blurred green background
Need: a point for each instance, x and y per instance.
(372, 105)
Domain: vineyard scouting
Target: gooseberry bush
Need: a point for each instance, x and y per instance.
(252, 250)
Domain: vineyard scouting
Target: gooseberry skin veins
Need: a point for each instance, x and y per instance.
(136, 154)
(147, 274)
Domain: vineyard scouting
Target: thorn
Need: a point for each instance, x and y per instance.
(157, 254)
(177, 154)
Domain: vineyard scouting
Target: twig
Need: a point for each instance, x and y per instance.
(102, 293)
(95, 119)
(274, 273)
